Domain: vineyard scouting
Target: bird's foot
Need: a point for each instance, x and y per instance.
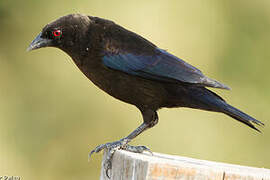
(112, 147)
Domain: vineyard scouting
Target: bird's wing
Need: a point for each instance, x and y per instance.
(161, 66)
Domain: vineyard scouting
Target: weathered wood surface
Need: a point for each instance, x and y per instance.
(132, 166)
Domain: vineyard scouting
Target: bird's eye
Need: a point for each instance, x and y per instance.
(57, 33)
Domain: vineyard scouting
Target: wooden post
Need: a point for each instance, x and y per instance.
(133, 166)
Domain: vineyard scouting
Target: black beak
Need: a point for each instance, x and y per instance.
(39, 42)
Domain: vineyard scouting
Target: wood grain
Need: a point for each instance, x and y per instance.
(133, 166)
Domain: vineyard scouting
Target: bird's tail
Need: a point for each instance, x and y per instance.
(208, 100)
(241, 116)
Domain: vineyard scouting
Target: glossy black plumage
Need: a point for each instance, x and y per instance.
(160, 65)
(134, 70)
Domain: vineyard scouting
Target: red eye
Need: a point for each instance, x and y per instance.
(57, 33)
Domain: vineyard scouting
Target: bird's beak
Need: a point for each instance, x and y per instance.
(39, 42)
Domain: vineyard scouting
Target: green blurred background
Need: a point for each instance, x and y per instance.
(51, 115)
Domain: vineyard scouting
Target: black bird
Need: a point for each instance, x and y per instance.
(134, 70)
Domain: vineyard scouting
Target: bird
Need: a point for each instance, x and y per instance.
(134, 70)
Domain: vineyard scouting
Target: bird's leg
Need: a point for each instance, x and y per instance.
(150, 118)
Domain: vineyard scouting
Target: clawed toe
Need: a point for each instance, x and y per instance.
(137, 149)
(96, 150)
(112, 147)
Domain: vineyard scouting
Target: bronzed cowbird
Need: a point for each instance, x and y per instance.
(134, 70)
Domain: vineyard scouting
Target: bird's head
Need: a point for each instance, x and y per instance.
(62, 33)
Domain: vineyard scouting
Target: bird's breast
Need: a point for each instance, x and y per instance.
(125, 87)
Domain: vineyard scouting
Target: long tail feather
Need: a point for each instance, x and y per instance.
(208, 100)
(241, 116)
